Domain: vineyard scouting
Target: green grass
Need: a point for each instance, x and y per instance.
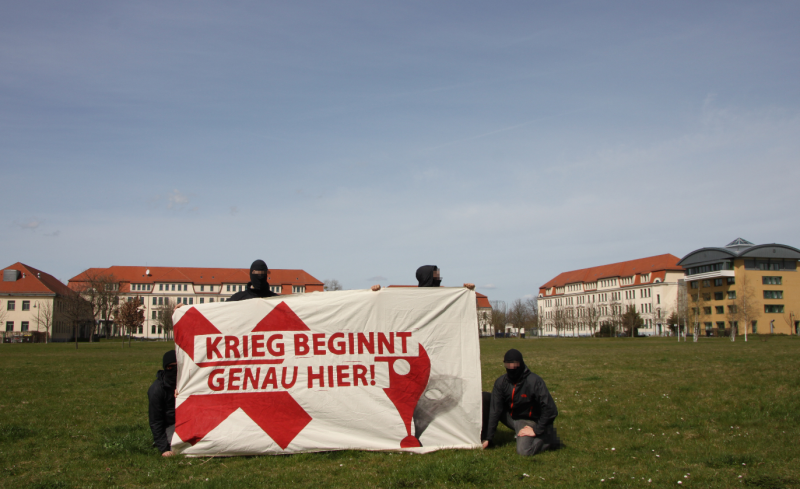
(631, 410)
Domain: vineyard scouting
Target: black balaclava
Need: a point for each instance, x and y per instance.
(259, 281)
(425, 276)
(514, 374)
(171, 375)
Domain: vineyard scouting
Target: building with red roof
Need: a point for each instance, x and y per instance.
(31, 301)
(578, 302)
(157, 287)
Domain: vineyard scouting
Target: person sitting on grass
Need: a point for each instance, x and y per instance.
(521, 401)
(161, 395)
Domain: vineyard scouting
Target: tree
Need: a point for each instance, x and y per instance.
(129, 316)
(631, 322)
(744, 306)
(683, 308)
(164, 315)
(519, 315)
(789, 317)
(615, 317)
(533, 321)
(698, 304)
(499, 315)
(77, 312)
(591, 317)
(331, 284)
(101, 292)
(44, 317)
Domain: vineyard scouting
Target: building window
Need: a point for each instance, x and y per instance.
(706, 283)
(717, 282)
(11, 306)
(154, 314)
(731, 280)
(770, 308)
(773, 294)
(202, 300)
(717, 296)
(191, 300)
(229, 288)
(173, 286)
(693, 285)
(706, 310)
(26, 305)
(184, 301)
(731, 294)
(755, 327)
(211, 299)
(202, 288)
(658, 298)
(160, 286)
(185, 287)
(708, 325)
(277, 289)
(155, 301)
(720, 324)
(720, 309)
(159, 329)
(153, 329)
(298, 289)
(771, 280)
(732, 309)
(24, 326)
(9, 325)
(706, 297)
(160, 301)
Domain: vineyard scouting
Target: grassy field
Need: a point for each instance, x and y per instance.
(633, 412)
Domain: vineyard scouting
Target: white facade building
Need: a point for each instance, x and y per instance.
(578, 302)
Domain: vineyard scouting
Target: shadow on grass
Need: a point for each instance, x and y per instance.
(729, 460)
(125, 440)
(49, 484)
(769, 482)
(10, 433)
(464, 469)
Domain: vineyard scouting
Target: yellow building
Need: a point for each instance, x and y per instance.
(744, 285)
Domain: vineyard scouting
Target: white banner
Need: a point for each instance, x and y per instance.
(397, 369)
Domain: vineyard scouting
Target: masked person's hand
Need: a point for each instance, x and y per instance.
(376, 288)
(526, 431)
(168, 454)
(470, 286)
(486, 444)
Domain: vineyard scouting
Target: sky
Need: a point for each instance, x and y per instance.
(505, 142)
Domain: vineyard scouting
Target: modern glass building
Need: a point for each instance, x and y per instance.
(744, 285)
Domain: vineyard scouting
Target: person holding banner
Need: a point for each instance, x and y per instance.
(258, 287)
(521, 401)
(161, 396)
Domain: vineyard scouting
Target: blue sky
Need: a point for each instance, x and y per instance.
(505, 142)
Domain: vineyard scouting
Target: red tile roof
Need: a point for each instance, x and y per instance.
(200, 276)
(659, 263)
(34, 282)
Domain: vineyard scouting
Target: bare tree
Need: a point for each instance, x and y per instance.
(164, 315)
(518, 315)
(683, 308)
(789, 316)
(44, 318)
(129, 316)
(499, 315)
(77, 312)
(698, 303)
(101, 291)
(744, 305)
(615, 313)
(591, 317)
(533, 321)
(331, 284)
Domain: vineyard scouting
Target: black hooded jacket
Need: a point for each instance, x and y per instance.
(258, 287)
(161, 411)
(250, 293)
(527, 399)
(425, 276)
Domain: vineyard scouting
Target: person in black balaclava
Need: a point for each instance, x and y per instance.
(162, 404)
(521, 401)
(258, 286)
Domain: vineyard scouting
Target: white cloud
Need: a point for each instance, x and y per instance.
(176, 199)
(31, 224)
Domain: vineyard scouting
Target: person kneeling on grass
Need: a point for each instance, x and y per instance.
(162, 404)
(521, 401)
